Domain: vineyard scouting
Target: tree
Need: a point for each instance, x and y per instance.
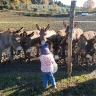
(88, 5)
(45, 2)
(36, 1)
(50, 2)
(26, 1)
(4, 4)
(59, 3)
(55, 5)
(15, 2)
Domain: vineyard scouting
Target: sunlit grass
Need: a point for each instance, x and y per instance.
(12, 85)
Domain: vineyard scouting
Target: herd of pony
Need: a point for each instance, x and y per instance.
(83, 43)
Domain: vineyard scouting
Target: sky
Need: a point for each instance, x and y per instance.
(78, 2)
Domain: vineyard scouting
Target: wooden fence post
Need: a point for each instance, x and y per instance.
(71, 25)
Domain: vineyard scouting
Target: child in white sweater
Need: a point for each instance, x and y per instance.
(47, 61)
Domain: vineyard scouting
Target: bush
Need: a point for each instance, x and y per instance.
(1, 6)
(4, 4)
(35, 9)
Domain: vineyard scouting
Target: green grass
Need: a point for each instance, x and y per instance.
(10, 84)
(32, 86)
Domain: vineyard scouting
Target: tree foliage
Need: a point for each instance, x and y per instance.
(88, 5)
(45, 2)
(36, 1)
(41, 1)
(12, 3)
(59, 3)
(4, 4)
(26, 1)
(50, 2)
(18, 3)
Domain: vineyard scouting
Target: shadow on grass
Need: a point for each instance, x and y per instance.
(29, 86)
(79, 70)
(15, 82)
(19, 66)
(87, 88)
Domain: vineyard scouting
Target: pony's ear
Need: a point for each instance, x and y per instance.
(30, 35)
(75, 24)
(38, 27)
(21, 30)
(48, 26)
(65, 24)
(11, 30)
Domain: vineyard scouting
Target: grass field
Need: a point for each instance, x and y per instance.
(11, 19)
(16, 21)
(25, 79)
(30, 84)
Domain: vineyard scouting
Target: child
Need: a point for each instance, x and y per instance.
(47, 61)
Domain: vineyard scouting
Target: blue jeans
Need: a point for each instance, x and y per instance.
(48, 76)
